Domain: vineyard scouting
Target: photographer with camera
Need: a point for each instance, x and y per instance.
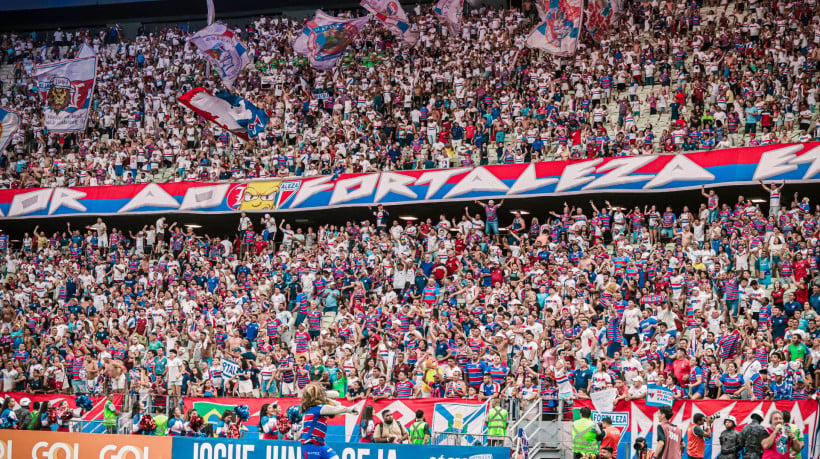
(731, 442)
(699, 430)
(642, 451)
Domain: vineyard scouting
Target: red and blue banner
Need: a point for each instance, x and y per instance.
(340, 428)
(794, 163)
(90, 421)
(560, 27)
(642, 420)
(244, 448)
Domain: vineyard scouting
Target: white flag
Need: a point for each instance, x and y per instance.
(222, 49)
(67, 88)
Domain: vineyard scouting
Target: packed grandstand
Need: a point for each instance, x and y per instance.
(709, 299)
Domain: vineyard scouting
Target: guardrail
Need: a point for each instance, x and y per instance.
(46, 445)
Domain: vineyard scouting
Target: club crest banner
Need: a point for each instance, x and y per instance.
(465, 420)
(67, 88)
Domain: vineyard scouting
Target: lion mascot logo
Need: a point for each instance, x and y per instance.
(59, 94)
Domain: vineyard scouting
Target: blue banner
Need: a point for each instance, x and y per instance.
(223, 448)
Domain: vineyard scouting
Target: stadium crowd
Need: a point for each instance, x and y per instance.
(720, 300)
(699, 76)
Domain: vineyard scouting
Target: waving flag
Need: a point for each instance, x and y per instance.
(394, 18)
(450, 11)
(9, 123)
(231, 112)
(67, 88)
(222, 49)
(560, 28)
(600, 16)
(466, 421)
(324, 38)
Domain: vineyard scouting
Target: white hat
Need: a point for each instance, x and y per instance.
(731, 418)
(758, 413)
(25, 402)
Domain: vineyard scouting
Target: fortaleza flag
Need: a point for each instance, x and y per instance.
(231, 112)
(600, 16)
(450, 12)
(9, 123)
(560, 28)
(463, 420)
(325, 38)
(394, 18)
(223, 50)
(67, 88)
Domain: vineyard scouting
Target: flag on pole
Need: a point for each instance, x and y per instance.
(325, 38)
(67, 88)
(211, 12)
(231, 112)
(394, 18)
(9, 123)
(450, 12)
(222, 49)
(560, 28)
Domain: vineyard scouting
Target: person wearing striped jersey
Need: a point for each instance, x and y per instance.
(318, 406)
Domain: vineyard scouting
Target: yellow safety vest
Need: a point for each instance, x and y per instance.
(497, 422)
(583, 437)
(417, 432)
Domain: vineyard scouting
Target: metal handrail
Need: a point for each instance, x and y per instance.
(526, 417)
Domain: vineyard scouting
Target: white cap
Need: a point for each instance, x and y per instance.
(25, 402)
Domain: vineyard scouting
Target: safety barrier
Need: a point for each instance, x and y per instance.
(16, 444)
(54, 445)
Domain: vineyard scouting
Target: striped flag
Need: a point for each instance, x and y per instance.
(223, 50)
(9, 123)
(394, 18)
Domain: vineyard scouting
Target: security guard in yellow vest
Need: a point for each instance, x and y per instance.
(585, 434)
(420, 430)
(496, 424)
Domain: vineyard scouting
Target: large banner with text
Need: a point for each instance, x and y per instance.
(794, 163)
(88, 421)
(637, 419)
(212, 448)
(346, 427)
(17, 444)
